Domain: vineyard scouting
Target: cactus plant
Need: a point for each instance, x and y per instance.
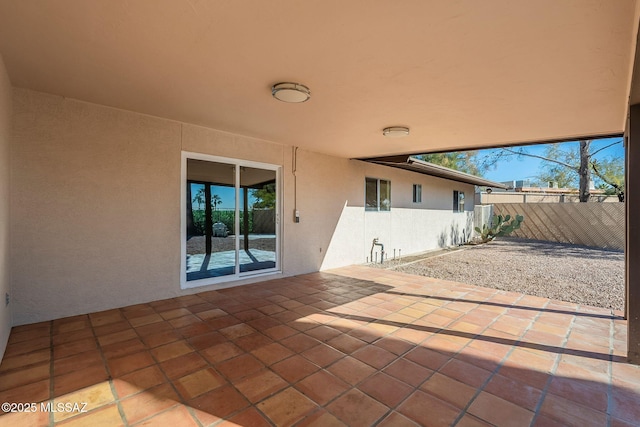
(500, 226)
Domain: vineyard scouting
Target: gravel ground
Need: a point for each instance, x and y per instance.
(552, 270)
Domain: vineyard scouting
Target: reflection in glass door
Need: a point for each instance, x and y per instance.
(211, 225)
(257, 219)
(230, 219)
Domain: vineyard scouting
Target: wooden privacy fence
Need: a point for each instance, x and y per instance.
(598, 225)
(264, 221)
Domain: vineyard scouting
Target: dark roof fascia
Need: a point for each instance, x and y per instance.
(413, 164)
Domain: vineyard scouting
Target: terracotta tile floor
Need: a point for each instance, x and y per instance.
(353, 346)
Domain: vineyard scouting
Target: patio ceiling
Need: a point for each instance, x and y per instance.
(460, 74)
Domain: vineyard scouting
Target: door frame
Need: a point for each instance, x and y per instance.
(238, 163)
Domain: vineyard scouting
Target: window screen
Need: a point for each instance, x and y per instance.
(458, 201)
(371, 194)
(417, 193)
(377, 194)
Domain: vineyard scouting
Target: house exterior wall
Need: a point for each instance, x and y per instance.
(96, 213)
(331, 194)
(5, 134)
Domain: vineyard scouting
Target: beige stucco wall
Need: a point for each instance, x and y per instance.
(97, 203)
(5, 134)
(96, 212)
(335, 230)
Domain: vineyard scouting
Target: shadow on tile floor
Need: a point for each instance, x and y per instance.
(355, 346)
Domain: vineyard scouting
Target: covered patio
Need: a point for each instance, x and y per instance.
(105, 109)
(352, 346)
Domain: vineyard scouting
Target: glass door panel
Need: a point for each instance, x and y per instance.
(230, 219)
(257, 219)
(211, 224)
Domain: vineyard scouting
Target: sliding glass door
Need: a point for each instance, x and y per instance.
(257, 219)
(230, 219)
(211, 228)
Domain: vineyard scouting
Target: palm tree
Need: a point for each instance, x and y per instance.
(199, 198)
(215, 201)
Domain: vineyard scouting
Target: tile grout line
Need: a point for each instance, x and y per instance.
(417, 345)
(320, 407)
(574, 317)
(610, 369)
(52, 388)
(434, 371)
(354, 316)
(401, 355)
(170, 381)
(351, 386)
(482, 386)
(443, 328)
(414, 346)
(211, 366)
(51, 372)
(106, 366)
(118, 399)
(229, 381)
(552, 372)
(290, 384)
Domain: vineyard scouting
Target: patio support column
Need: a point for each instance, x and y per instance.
(632, 253)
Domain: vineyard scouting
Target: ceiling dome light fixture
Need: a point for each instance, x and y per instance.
(395, 131)
(290, 92)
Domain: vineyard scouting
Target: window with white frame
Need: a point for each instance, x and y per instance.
(377, 194)
(458, 201)
(417, 193)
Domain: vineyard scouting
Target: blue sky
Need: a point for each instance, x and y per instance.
(227, 196)
(514, 168)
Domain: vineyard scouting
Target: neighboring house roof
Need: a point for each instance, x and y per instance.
(419, 166)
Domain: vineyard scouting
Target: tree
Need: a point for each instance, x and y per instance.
(611, 172)
(464, 161)
(199, 198)
(567, 166)
(584, 171)
(265, 196)
(215, 201)
(554, 172)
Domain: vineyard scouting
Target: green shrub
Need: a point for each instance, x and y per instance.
(227, 217)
